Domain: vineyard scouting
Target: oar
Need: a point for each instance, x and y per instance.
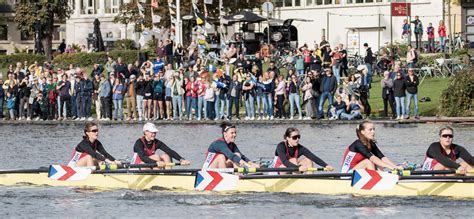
(39, 170)
(429, 172)
(129, 165)
(298, 176)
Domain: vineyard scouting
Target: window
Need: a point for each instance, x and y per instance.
(25, 36)
(115, 5)
(359, 1)
(3, 52)
(297, 3)
(278, 3)
(288, 3)
(3, 32)
(56, 32)
(328, 2)
(319, 2)
(309, 2)
(369, 1)
(89, 6)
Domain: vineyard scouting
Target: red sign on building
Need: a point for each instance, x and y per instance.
(401, 9)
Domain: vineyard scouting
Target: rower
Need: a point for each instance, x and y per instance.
(443, 155)
(90, 151)
(364, 153)
(224, 153)
(287, 153)
(145, 149)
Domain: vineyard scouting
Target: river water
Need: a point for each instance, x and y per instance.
(32, 146)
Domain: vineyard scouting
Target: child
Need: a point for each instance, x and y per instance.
(11, 105)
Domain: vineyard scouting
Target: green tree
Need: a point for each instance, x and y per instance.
(27, 12)
(129, 14)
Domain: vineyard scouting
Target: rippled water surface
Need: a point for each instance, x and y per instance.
(31, 146)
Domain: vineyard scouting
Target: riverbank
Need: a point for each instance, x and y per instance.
(422, 120)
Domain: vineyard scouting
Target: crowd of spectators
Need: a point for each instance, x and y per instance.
(184, 85)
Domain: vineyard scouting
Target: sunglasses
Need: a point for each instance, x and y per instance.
(295, 137)
(447, 136)
(94, 130)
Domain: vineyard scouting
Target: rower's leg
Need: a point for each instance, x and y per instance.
(293, 161)
(156, 158)
(306, 163)
(85, 161)
(167, 159)
(365, 164)
(219, 162)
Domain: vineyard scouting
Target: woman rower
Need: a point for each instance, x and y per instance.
(287, 153)
(145, 149)
(90, 152)
(364, 153)
(224, 153)
(443, 155)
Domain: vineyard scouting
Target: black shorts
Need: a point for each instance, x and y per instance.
(168, 98)
(148, 96)
(158, 96)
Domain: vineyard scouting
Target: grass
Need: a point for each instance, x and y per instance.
(431, 87)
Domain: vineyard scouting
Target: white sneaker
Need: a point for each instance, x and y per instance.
(107, 119)
(307, 118)
(140, 119)
(19, 118)
(300, 117)
(77, 119)
(271, 117)
(83, 119)
(37, 119)
(252, 118)
(259, 118)
(246, 118)
(291, 118)
(398, 117)
(28, 119)
(90, 119)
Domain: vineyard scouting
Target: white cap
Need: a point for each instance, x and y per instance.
(150, 127)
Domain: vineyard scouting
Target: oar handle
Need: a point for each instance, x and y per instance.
(429, 172)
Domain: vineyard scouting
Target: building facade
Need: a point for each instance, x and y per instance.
(79, 27)
(355, 22)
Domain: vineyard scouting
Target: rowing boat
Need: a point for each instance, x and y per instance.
(457, 188)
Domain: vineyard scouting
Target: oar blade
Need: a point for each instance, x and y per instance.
(66, 173)
(373, 180)
(215, 181)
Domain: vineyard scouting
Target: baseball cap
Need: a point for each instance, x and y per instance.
(150, 127)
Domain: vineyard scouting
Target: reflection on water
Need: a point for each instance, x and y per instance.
(31, 146)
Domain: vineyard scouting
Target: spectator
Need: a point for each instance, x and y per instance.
(406, 31)
(104, 92)
(308, 97)
(273, 68)
(353, 109)
(294, 96)
(442, 35)
(430, 30)
(130, 71)
(23, 96)
(412, 92)
(158, 96)
(97, 70)
(160, 50)
(11, 105)
(209, 98)
(169, 51)
(78, 91)
(158, 65)
(179, 55)
(95, 96)
(337, 108)
(140, 92)
(269, 87)
(399, 90)
(110, 65)
(117, 98)
(344, 61)
(368, 60)
(62, 46)
(387, 94)
(234, 96)
(64, 87)
(191, 97)
(327, 90)
(148, 97)
(87, 89)
(280, 97)
(120, 69)
(248, 90)
(35, 89)
(51, 99)
(411, 57)
(299, 66)
(131, 99)
(336, 63)
(40, 107)
(418, 31)
(201, 91)
(176, 91)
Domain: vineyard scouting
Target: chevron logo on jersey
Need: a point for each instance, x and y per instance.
(373, 180)
(67, 173)
(215, 181)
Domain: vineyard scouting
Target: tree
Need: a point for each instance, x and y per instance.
(129, 14)
(46, 12)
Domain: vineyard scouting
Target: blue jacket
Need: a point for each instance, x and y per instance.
(104, 88)
(11, 102)
(332, 84)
